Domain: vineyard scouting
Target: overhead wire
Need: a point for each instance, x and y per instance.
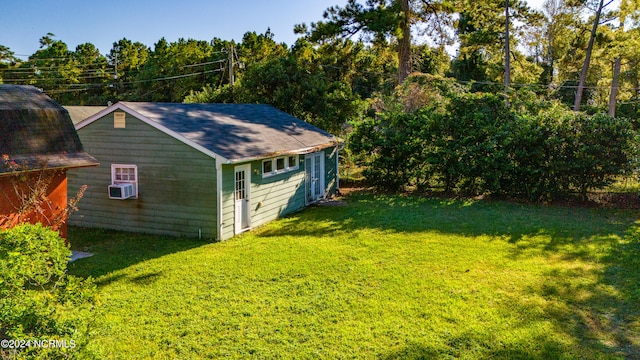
(74, 57)
(102, 71)
(130, 82)
(99, 73)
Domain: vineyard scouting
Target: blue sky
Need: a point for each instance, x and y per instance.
(24, 22)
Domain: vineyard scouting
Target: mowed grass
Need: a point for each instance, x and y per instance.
(385, 277)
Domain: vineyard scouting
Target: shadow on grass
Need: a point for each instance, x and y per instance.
(598, 313)
(512, 222)
(115, 250)
(623, 273)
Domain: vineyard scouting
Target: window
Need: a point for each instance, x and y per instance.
(267, 167)
(125, 174)
(293, 162)
(279, 165)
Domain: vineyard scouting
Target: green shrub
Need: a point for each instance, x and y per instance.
(467, 143)
(392, 146)
(474, 143)
(38, 300)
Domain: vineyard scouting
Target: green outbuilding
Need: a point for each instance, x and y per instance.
(200, 170)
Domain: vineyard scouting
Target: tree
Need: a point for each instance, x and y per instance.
(380, 20)
(430, 60)
(126, 58)
(480, 29)
(587, 59)
(93, 77)
(173, 69)
(7, 57)
(558, 31)
(52, 67)
(305, 85)
(628, 9)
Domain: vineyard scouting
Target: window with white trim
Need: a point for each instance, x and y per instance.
(125, 174)
(279, 165)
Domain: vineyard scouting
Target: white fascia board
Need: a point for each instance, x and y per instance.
(98, 115)
(303, 151)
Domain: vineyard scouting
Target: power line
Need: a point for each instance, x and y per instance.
(171, 77)
(129, 82)
(74, 57)
(101, 72)
(205, 63)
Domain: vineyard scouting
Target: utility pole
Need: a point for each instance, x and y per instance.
(231, 58)
(115, 64)
(114, 85)
(507, 56)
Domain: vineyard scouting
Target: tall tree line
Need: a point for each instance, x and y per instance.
(361, 51)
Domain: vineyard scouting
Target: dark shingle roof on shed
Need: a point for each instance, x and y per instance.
(237, 131)
(36, 131)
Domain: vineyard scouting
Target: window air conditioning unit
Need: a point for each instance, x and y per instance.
(121, 191)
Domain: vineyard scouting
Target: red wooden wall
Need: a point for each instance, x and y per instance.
(55, 204)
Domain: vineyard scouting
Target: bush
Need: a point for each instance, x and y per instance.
(388, 141)
(38, 300)
(603, 148)
(468, 143)
(473, 143)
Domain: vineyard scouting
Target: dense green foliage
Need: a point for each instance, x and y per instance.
(446, 126)
(475, 143)
(385, 277)
(322, 93)
(358, 52)
(38, 300)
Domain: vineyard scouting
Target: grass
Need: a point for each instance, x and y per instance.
(386, 277)
(626, 184)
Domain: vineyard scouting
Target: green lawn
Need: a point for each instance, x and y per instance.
(386, 277)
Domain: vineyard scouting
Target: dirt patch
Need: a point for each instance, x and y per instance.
(332, 202)
(615, 200)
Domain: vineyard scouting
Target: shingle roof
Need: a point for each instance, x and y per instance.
(37, 131)
(79, 113)
(236, 131)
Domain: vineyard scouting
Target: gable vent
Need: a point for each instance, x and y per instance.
(119, 121)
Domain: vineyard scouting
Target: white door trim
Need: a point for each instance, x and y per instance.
(242, 198)
(314, 177)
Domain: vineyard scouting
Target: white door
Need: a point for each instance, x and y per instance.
(242, 199)
(314, 176)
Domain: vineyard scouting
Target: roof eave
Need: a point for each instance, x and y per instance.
(303, 151)
(49, 168)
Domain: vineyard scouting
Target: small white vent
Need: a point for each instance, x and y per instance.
(119, 120)
(121, 191)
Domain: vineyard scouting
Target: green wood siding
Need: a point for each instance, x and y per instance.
(280, 194)
(176, 183)
(331, 176)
